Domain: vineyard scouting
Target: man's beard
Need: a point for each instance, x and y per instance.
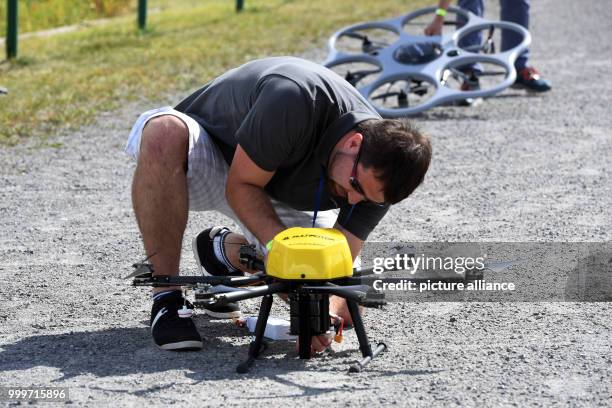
(332, 186)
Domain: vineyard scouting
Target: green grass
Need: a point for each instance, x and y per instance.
(35, 15)
(64, 81)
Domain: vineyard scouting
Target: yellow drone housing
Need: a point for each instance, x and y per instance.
(309, 254)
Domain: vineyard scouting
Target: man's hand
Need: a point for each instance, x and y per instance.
(320, 343)
(435, 27)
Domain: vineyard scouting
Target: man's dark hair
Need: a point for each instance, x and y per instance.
(399, 154)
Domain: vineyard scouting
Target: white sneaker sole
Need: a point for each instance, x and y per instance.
(182, 345)
(223, 315)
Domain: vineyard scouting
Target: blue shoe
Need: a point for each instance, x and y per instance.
(529, 78)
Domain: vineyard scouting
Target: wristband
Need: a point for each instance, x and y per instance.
(441, 12)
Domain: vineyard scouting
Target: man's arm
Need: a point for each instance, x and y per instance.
(435, 27)
(245, 194)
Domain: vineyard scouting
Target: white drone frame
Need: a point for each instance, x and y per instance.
(432, 72)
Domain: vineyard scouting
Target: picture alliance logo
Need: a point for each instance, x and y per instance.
(423, 262)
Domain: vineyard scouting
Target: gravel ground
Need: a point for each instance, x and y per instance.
(516, 168)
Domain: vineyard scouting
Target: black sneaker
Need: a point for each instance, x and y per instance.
(204, 253)
(171, 332)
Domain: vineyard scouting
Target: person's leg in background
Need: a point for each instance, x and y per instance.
(470, 83)
(517, 11)
(476, 7)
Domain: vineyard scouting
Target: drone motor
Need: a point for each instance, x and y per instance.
(314, 306)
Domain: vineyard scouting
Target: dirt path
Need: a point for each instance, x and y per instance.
(516, 168)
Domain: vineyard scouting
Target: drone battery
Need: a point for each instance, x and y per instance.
(276, 329)
(312, 307)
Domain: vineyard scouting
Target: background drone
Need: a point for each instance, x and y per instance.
(403, 72)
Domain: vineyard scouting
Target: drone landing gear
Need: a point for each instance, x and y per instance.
(310, 317)
(364, 344)
(257, 344)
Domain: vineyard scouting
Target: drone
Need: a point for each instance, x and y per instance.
(402, 72)
(306, 264)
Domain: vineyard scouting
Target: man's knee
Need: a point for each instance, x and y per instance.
(165, 139)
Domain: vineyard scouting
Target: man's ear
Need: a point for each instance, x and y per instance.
(354, 141)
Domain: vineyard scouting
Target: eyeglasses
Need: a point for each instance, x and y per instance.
(355, 183)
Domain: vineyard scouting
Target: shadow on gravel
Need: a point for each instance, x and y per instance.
(445, 113)
(118, 352)
(130, 351)
(305, 390)
(310, 391)
(392, 373)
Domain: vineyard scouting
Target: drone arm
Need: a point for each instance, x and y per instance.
(250, 293)
(366, 271)
(361, 271)
(163, 280)
(356, 293)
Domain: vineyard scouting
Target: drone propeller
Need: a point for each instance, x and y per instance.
(402, 96)
(354, 77)
(142, 267)
(367, 46)
(490, 73)
(461, 76)
(416, 87)
(487, 46)
(425, 23)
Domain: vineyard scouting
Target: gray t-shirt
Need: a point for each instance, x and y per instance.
(287, 114)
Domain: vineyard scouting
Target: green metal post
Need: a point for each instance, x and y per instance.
(11, 29)
(142, 14)
(239, 5)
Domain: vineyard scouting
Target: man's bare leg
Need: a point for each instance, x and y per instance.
(232, 244)
(159, 192)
